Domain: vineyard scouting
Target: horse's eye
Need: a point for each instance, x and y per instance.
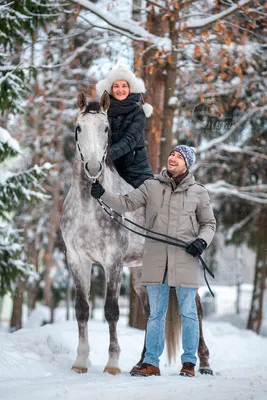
(78, 128)
(106, 130)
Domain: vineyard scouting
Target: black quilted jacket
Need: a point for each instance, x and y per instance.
(128, 150)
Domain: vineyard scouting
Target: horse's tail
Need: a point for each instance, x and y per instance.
(173, 327)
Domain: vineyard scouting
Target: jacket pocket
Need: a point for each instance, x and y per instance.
(193, 226)
(152, 221)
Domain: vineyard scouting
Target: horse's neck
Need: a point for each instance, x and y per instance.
(81, 185)
(113, 182)
(109, 178)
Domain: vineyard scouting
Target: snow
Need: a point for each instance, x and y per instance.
(127, 27)
(6, 138)
(35, 363)
(194, 23)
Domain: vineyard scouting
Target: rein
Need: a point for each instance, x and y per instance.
(178, 242)
(111, 212)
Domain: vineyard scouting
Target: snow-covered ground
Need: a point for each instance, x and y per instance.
(35, 364)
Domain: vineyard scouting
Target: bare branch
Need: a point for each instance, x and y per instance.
(154, 3)
(126, 27)
(253, 195)
(224, 137)
(236, 227)
(243, 150)
(203, 23)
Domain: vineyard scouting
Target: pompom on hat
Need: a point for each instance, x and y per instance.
(188, 153)
(124, 74)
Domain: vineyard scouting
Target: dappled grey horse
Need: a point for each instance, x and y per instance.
(91, 236)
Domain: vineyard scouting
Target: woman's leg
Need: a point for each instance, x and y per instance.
(158, 297)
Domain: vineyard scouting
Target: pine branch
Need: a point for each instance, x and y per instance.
(6, 151)
(12, 263)
(18, 188)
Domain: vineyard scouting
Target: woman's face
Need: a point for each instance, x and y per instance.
(120, 90)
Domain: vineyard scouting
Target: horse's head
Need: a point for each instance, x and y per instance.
(92, 130)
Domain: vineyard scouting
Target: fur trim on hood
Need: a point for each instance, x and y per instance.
(122, 73)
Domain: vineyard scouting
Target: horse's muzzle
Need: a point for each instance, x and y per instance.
(93, 174)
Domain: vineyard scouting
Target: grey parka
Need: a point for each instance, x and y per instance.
(183, 212)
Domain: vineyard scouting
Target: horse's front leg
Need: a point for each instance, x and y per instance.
(112, 317)
(81, 272)
(203, 351)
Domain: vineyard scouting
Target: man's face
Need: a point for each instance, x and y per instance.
(176, 164)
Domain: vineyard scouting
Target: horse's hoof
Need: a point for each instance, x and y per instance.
(112, 370)
(79, 370)
(206, 371)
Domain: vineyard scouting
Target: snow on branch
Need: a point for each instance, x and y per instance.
(249, 193)
(244, 150)
(6, 138)
(75, 53)
(239, 225)
(127, 27)
(9, 147)
(193, 23)
(223, 138)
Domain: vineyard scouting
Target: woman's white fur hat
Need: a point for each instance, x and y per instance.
(124, 74)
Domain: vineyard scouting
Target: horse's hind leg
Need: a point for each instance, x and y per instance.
(203, 351)
(81, 275)
(142, 294)
(112, 317)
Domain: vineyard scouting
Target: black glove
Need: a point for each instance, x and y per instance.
(196, 248)
(97, 190)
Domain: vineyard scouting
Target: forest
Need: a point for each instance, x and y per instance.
(204, 64)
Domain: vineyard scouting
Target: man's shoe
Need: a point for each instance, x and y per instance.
(188, 369)
(145, 370)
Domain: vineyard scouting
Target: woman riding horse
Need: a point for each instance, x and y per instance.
(127, 118)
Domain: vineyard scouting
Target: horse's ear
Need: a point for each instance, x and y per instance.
(81, 100)
(104, 101)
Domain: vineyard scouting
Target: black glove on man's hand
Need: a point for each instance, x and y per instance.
(196, 248)
(97, 190)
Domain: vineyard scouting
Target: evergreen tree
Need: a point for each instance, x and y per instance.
(19, 20)
(15, 189)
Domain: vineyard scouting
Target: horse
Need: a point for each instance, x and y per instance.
(92, 237)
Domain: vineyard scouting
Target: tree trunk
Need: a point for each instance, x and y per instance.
(170, 84)
(154, 80)
(255, 316)
(16, 317)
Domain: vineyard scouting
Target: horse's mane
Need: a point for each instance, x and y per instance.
(94, 106)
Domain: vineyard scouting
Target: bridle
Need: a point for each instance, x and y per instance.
(77, 130)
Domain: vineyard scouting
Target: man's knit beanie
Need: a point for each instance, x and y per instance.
(189, 154)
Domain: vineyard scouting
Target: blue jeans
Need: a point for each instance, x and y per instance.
(158, 296)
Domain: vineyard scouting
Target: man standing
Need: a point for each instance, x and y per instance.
(176, 205)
